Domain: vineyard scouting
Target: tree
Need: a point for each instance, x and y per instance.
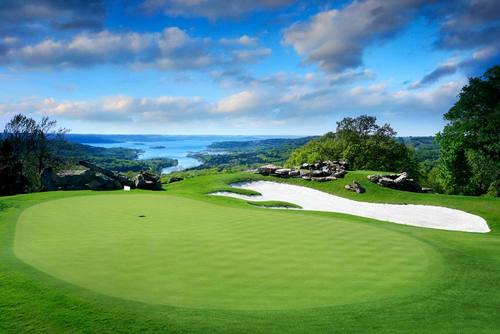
(26, 145)
(363, 143)
(470, 142)
(11, 171)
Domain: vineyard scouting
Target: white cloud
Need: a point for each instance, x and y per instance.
(212, 9)
(250, 56)
(244, 40)
(335, 39)
(170, 49)
(302, 104)
(240, 102)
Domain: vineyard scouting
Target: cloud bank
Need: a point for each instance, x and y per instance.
(170, 49)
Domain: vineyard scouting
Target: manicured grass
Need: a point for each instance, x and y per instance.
(161, 250)
(275, 204)
(113, 276)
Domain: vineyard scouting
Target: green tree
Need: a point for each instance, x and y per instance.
(470, 142)
(362, 142)
(26, 145)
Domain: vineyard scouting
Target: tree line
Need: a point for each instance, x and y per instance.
(25, 151)
(469, 144)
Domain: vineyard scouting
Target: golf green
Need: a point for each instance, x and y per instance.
(170, 250)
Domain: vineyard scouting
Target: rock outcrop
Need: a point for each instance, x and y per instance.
(148, 181)
(321, 171)
(396, 181)
(77, 179)
(356, 187)
(94, 177)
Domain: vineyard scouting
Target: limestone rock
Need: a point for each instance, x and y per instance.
(356, 187)
(148, 181)
(267, 169)
(396, 181)
(282, 172)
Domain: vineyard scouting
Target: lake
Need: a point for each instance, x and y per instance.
(158, 146)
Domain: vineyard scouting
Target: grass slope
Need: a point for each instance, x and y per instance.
(225, 258)
(461, 296)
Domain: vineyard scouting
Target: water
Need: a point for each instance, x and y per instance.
(175, 147)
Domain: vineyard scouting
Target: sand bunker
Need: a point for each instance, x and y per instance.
(429, 216)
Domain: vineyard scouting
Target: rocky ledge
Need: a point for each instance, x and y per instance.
(320, 171)
(397, 181)
(94, 177)
(356, 187)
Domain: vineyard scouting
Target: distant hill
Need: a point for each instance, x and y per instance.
(249, 153)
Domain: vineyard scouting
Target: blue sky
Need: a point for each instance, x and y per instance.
(241, 67)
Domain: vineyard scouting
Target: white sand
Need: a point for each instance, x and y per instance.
(416, 215)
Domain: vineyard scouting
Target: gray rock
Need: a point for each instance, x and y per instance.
(282, 172)
(401, 178)
(340, 173)
(304, 172)
(268, 169)
(356, 187)
(374, 178)
(74, 179)
(318, 173)
(386, 182)
(148, 181)
(396, 181)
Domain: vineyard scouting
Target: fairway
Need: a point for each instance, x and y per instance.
(170, 250)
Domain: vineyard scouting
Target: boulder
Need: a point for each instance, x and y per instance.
(387, 182)
(401, 178)
(74, 179)
(327, 170)
(340, 173)
(304, 172)
(282, 172)
(318, 173)
(267, 169)
(396, 181)
(306, 177)
(305, 166)
(122, 179)
(356, 187)
(148, 181)
(374, 178)
(294, 173)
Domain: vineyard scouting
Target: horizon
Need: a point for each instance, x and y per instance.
(242, 68)
(212, 135)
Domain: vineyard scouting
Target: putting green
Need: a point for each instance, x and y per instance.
(196, 254)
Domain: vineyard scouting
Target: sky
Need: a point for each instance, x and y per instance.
(241, 67)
